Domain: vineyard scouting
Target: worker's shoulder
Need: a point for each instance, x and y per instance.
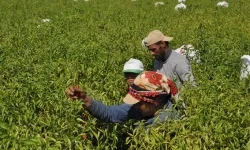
(177, 58)
(177, 55)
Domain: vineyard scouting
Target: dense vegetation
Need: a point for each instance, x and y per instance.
(87, 43)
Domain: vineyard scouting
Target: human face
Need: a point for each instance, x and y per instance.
(148, 109)
(157, 50)
(130, 77)
(145, 111)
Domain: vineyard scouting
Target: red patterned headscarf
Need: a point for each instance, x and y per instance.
(148, 86)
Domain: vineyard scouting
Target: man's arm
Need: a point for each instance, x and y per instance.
(116, 113)
(184, 71)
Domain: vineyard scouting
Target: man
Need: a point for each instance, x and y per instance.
(175, 66)
(149, 93)
(132, 69)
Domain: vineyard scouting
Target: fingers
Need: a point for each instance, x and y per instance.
(74, 97)
(75, 92)
(70, 91)
(77, 89)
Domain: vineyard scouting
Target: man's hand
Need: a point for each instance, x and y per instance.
(77, 93)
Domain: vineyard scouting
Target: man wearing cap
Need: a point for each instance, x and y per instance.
(175, 66)
(150, 92)
(132, 69)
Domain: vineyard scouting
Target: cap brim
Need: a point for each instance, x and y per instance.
(166, 38)
(133, 71)
(130, 100)
(150, 42)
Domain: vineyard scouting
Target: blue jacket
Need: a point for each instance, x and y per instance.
(124, 112)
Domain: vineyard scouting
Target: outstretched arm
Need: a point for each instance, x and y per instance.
(117, 113)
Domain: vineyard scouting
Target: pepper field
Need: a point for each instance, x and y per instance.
(87, 43)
